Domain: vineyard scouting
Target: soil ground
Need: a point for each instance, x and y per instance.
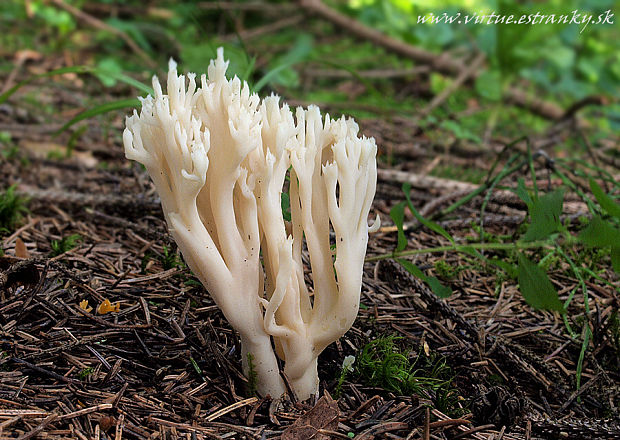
(165, 364)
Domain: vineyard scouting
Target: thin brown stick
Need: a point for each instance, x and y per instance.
(267, 29)
(537, 106)
(49, 419)
(20, 58)
(44, 371)
(261, 6)
(473, 430)
(578, 393)
(449, 422)
(441, 63)
(381, 428)
(229, 408)
(467, 73)
(427, 425)
(371, 73)
(8, 423)
(120, 424)
(81, 412)
(106, 323)
(98, 24)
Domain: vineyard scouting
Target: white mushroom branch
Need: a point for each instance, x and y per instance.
(220, 159)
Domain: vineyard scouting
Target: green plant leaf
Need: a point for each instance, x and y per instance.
(545, 214)
(272, 74)
(438, 82)
(397, 213)
(103, 108)
(428, 223)
(523, 194)
(438, 289)
(606, 202)
(489, 85)
(599, 233)
(281, 71)
(245, 76)
(536, 287)
(510, 269)
(460, 131)
(134, 29)
(107, 69)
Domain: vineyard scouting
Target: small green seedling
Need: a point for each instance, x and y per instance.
(8, 149)
(85, 373)
(170, 259)
(12, 208)
(65, 244)
(347, 367)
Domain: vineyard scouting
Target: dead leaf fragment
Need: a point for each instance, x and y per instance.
(106, 307)
(106, 423)
(20, 249)
(84, 306)
(324, 416)
(427, 349)
(27, 54)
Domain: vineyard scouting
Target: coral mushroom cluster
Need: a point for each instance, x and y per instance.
(220, 158)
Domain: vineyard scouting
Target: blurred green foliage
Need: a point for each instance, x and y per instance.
(561, 63)
(570, 60)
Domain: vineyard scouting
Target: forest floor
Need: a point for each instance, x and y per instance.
(166, 362)
(162, 362)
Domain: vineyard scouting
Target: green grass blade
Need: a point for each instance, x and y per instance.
(438, 289)
(76, 69)
(523, 194)
(506, 171)
(129, 81)
(269, 76)
(73, 69)
(530, 161)
(600, 172)
(397, 213)
(606, 202)
(428, 223)
(574, 187)
(249, 69)
(103, 108)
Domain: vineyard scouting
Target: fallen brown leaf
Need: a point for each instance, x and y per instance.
(324, 415)
(20, 249)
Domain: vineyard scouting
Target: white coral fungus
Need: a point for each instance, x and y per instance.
(219, 157)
